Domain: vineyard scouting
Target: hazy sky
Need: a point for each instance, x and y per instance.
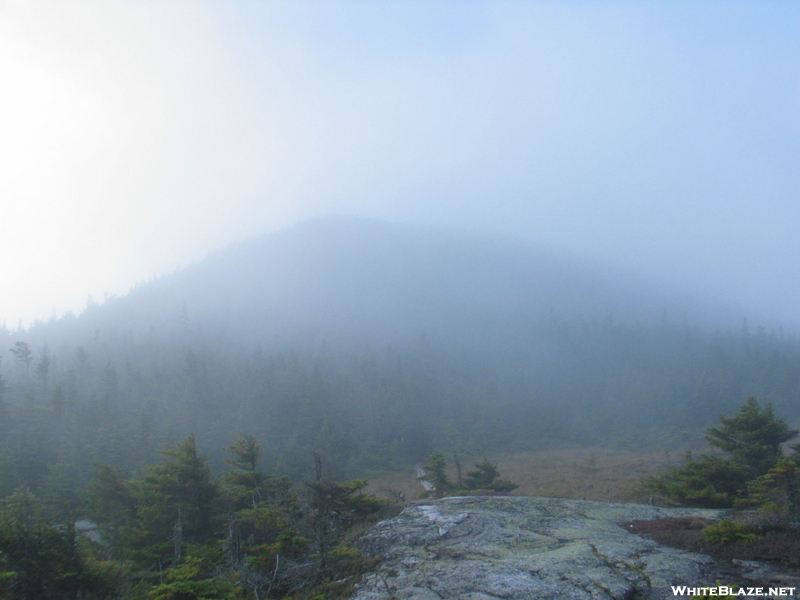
(138, 136)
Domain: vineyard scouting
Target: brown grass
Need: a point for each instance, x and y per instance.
(780, 547)
(590, 473)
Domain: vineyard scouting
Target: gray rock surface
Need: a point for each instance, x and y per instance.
(515, 548)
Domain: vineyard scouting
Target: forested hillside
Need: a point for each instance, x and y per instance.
(374, 346)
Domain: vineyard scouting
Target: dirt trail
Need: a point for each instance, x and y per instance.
(425, 483)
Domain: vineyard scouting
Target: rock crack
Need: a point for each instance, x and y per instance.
(517, 548)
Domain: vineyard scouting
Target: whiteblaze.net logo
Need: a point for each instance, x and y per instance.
(725, 590)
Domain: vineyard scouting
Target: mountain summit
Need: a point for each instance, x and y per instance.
(351, 280)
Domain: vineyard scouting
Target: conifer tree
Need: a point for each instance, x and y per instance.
(23, 354)
(435, 472)
(485, 476)
(41, 558)
(43, 366)
(752, 437)
(752, 440)
(177, 502)
(3, 386)
(245, 481)
(111, 503)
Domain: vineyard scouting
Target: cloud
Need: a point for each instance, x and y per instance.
(663, 137)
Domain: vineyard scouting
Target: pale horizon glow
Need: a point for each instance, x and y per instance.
(137, 137)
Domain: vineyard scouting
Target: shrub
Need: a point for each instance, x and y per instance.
(485, 477)
(752, 440)
(726, 532)
(709, 481)
(776, 494)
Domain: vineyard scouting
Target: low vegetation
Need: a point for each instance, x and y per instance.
(755, 474)
(483, 479)
(727, 531)
(778, 546)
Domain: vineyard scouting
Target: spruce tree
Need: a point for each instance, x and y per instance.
(435, 473)
(177, 503)
(752, 440)
(752, 437)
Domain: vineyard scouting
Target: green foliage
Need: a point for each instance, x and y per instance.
(485, 477)
(110, 501)
(276, 543)
(335, 506)
(725, 532)
(43, 366)
(246, 486)
(7, 577)
(43, 559)
(174, 504)
(752, 439)
(436, 474)
(189, 581)
(776, 494)
(708, 481)
(245, 453)
(120, 389)
(181, 484)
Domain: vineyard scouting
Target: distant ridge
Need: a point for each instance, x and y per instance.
(374, 343)
(356, 279)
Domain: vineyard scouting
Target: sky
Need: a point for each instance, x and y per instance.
(137, 136)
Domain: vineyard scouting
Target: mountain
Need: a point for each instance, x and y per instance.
(375, 344)
(354, 280)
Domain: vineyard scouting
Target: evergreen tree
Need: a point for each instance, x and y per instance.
(752, 437)
(110, 502)
(43, 366)
(777, 493)
(177, 503)
(752, 440)
(3, 385)
(193, 580)
(41, 559)
(435, 473)
(3, 415)
(333, 507)
(264, 544)
(246, 484)
(23, 354)
(707, 481)
(485, 477)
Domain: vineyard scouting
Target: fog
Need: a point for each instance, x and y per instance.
(376, 344)
(262, 255)
(658, 138)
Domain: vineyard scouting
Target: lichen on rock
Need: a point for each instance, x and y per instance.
(518, 548)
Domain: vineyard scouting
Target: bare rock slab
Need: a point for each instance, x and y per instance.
(517, 548)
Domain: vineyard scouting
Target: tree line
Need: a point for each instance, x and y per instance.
(118, 396)
(176, 532)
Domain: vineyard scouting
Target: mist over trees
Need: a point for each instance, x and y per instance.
(374, 346)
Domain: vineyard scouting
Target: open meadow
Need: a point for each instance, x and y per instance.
(584, 473)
